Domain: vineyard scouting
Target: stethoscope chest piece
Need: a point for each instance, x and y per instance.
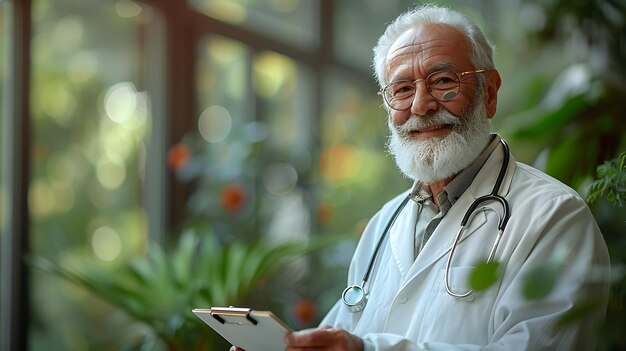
(355, 298)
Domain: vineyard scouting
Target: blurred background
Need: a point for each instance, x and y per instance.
(163, 155)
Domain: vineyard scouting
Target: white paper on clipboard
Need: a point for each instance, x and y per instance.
(248, 329)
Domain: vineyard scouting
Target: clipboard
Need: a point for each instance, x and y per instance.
(246, 328)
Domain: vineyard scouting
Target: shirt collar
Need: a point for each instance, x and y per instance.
(420, 192)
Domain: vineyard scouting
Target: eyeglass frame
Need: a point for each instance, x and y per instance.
(459, 75)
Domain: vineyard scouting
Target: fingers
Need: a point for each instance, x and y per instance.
(323, 338)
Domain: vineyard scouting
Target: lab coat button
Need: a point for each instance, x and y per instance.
(402, 298)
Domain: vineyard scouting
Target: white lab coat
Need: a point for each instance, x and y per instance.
(409, 309)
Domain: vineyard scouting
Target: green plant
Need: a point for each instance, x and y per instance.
(609, 187)
(161, 288)
(579, 124)
(611, 181)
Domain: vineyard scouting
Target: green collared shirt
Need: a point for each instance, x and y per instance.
(429, 216)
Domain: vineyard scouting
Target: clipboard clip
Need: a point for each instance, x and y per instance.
(220, 312)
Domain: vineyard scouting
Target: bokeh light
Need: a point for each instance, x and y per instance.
(271, 72)
(114, 141)
(227, 10)
(256, 131)
(127, 8)
(340, 162)
(111, 172)
(280, 178)
(228, 58)
(139, 118)
(58, 102)
(106, 243)
(120, 102)
(67, 33)
(215, 124)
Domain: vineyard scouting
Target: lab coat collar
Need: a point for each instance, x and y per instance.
(486, 177)
(402, 236)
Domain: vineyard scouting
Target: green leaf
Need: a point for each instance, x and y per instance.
(234, 266)
(540, 281)
(579, 312)
(182, 259)
(611, 180)
(554, 121)
(485, 275)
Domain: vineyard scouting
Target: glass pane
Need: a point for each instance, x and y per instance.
(253, 137)
(359, 23)
(224, 140)
(250, 151)
(293, 21)
(285, 104)
(91, 121)
(280, 85)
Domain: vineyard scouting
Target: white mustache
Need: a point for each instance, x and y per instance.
(415, 123)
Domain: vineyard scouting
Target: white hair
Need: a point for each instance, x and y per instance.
(482, 50)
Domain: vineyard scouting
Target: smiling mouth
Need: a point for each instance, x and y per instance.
(430, 128)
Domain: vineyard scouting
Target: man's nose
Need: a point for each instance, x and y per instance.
(423, 103)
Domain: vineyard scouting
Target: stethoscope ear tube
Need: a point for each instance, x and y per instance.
(504, 218)
(502, 221)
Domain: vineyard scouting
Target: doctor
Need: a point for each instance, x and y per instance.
(440, 88)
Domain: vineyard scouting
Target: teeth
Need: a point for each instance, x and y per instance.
(428, 129)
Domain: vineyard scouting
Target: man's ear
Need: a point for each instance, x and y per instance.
(491, 94)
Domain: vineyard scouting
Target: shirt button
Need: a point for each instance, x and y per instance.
(402, 298)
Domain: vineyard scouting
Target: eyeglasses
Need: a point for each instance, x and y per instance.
(442, 86)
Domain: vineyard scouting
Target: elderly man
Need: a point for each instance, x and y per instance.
(408, 280)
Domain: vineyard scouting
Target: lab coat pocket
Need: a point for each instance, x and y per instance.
(466, 315)
(458, 282)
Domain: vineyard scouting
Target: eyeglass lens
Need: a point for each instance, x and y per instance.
(443, 86)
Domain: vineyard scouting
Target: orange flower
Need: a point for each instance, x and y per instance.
(305, 311)
(340, 162)
(177, 156)
(324, 213)
(233, 197)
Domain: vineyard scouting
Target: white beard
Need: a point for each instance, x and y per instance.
(436, 159)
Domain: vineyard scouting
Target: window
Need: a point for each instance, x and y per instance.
(92, 124)
(254, 123)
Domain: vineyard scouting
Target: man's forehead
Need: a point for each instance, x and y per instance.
(438, 38)
(410, 39)
(426, 35)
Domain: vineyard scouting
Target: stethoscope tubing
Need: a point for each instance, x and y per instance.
(502, 222)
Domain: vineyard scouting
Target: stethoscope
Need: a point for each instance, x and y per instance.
(355, 296)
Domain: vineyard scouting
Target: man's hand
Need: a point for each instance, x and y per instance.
(324, 338)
